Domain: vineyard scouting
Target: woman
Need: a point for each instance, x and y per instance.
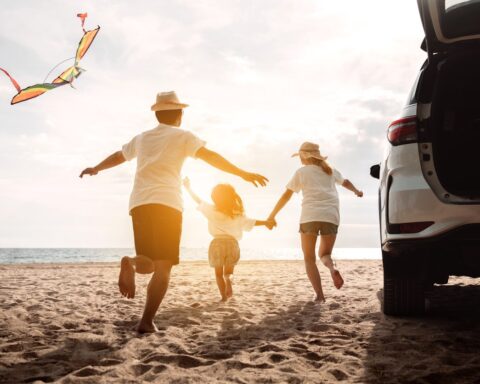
(320, 211)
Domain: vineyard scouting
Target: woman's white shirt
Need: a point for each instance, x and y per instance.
(320, 197)
(220, 224)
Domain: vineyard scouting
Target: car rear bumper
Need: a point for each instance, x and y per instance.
(456, 252)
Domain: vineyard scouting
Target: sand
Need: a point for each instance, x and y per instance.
(68, 323)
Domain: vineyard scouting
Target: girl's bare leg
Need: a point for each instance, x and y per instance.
(220, 282)
(128, 267)
(227, 274)
(325, 253)
(308, 247)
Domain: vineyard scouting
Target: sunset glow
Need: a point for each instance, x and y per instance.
(260, 78)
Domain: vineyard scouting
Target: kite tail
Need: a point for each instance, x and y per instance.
(14, 82)
(82, 17)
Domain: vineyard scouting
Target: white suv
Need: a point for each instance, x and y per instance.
(429, 195)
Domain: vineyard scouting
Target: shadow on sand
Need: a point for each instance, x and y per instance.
(441, 347)
(86, 357)
(210, 333)
(239, 333)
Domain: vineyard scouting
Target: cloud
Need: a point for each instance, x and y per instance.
(261, 78)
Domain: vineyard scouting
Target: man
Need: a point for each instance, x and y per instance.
(156, 203)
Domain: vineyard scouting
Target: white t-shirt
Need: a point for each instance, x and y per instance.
(160, 154)
(220, 224)
(320, 197)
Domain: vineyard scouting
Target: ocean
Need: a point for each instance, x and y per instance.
(88, 255)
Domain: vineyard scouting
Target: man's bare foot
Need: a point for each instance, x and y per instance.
(337, 279)
(146, 327)
(126, 278)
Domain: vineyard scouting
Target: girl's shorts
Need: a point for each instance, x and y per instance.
(322, 227)
(223, 252)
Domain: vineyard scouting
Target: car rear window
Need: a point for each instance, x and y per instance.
(460, 18)
(412, 96)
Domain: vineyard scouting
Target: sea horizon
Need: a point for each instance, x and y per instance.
(21, 255)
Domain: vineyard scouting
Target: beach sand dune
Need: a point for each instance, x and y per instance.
(68, 323)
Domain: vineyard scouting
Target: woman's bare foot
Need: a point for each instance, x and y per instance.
(146, 327)
(228, 287)
(337, 279)
(126, 278)
(319, 299)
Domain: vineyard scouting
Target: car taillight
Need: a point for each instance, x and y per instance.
(414, 227)
(403, 131)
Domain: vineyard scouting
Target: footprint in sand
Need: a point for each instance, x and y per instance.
(30, 355)
(337, 319)
(338, 374)
(141, 369)
(312, 356)
(12, 348)
(70, 326)
(334, 306)
(217, 355)
(183, 361)
(269, 348)
(277, 357)
(87, 371)
(234, 364)
(159, 368)
(321, 328)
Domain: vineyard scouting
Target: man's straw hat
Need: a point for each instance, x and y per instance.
(308, 150)
(167, 101)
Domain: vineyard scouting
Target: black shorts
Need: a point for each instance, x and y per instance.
(157, 230)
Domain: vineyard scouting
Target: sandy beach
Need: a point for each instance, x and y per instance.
(68, 323)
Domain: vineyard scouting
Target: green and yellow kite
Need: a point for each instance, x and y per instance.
(66, 77)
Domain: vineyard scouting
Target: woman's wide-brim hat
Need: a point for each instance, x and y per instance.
(309, 150)
(167, 101)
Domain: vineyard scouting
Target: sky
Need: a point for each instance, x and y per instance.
(261, 77)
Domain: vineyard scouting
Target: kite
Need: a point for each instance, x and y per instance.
(66, 77)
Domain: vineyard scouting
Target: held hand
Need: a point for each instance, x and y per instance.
(89, 171)
(359, 193)
(271, 223)
(255, 179)
(186, 182)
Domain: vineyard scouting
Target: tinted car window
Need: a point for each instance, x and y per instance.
(460, 18)
(412, 96)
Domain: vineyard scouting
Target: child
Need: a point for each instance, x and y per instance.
(226, 223)
(320, 211)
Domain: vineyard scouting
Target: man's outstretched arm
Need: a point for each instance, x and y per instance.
(111, 161)
(219, 162)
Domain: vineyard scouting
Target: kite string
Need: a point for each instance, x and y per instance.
(82, 17)
(48, 74)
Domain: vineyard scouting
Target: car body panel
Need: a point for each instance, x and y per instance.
(406, 196)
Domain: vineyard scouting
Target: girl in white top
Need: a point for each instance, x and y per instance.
(226, 223)
(320, 211)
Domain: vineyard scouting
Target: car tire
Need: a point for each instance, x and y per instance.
(403, 296)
